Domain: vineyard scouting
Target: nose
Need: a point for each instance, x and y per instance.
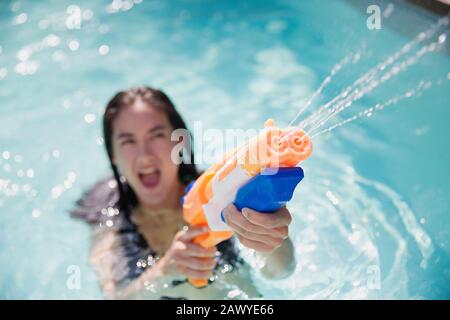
(146, 151)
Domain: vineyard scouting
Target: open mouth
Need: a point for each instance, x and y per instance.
(149, 177)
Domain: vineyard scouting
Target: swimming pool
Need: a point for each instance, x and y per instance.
(371, 218)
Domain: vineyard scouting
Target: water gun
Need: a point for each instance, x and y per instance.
(261, 175)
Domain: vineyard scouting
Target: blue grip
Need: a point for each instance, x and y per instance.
(269, 190)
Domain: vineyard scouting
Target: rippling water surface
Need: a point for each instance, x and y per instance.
(372, 216)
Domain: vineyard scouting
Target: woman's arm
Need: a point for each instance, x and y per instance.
(136, 287)
(103, 253)
(280, 263)
(101, 257)
(183, 258)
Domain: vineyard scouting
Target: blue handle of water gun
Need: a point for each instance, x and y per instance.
(269, 190)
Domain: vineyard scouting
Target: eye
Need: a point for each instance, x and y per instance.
(159, 135)
(126, 142)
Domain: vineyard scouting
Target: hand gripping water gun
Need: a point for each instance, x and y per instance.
(261, 175)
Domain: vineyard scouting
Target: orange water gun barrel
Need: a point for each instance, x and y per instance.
(217, 187)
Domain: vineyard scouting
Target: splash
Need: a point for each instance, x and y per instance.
(388, 69)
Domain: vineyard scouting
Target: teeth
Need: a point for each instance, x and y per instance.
(147, 171)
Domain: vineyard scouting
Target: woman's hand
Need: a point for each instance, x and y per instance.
(259, 231)
(189, 259)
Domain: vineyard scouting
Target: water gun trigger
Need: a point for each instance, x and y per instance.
(269, 190)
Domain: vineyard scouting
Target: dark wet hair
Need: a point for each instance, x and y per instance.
(156, 99)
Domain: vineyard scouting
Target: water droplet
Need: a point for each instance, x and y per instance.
(330, 195)
(3, 184)
(442, 38)
(57, 191)
(112, 184)
(110, 211)
(74, 45)
(67, 184)
(73, 20)
(3, 73)
(234, 293)
(127, 5)
(55, 153)
(356, 58)
(103, 50)
(24, 54)
(116, 5)
(6, 155)
(52, 40)
(21, 18)
(354, 237)
(26, 67)
(30, 173)
(388, 11)
(89, 117)
(36, 213)
(71, 176)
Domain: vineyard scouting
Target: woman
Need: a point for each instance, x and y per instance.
(141, 246)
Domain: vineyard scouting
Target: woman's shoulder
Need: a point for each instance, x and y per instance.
(98, 203)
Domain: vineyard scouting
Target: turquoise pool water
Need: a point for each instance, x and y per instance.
(371, 218)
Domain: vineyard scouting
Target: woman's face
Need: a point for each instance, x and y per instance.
(142, 153)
